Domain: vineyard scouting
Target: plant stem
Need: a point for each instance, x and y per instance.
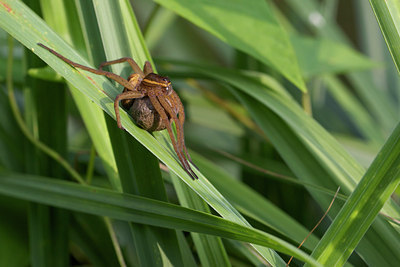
(18, 117)
(306, 103)
(90, 168)
(115, 242)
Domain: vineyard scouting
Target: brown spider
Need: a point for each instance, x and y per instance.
(149, 99)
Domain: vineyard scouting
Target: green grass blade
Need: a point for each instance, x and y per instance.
(14, 233)
(215, 199)
(253, 205)
(252, 28)
(354, 109)
(381, 105)
(137, 45)
(209, 248)
(379, 242)
(306, 147)
(318, 56)
(270, 94)
(388, 16)
(47, 226)
(138, 168)
(374, 45)
(377, 246)
(104, 202)
(12, 141)
(90, 234)
(161, 19)
(95, 123)
(363, 206)
(92, 115)
(242, 249)
(188, 257)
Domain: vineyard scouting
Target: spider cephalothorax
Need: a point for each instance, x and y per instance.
(149, 99)
(141, 109)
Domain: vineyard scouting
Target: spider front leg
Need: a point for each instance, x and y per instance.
(177, 147)
(176, 102)
(124, 96)
(169, 107)
(180, 140)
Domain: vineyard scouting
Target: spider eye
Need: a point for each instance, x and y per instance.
(168, 89)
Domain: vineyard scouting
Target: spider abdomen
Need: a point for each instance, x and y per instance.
(145, 115)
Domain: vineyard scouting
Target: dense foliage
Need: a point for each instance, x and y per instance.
(285, 102)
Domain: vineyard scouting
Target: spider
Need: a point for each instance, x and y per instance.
(149, 99)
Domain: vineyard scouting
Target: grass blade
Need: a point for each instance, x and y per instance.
(138, 168)
(388, 16)
(252, 28)
(209, 248)
(363, 206)
(355, 110)
(306, 147)
(104, 202)
(381, 105)
(253, 205)
(93, 117)
(47, 225)
(318, 56)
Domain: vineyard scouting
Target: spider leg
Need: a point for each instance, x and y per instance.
(123, 96)
(179, 122)
(131, 62)
(110, 75)
(147, 68)
(159, 108)
(134, 79)
(172, 113)
(179, 130)
(176, 102)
